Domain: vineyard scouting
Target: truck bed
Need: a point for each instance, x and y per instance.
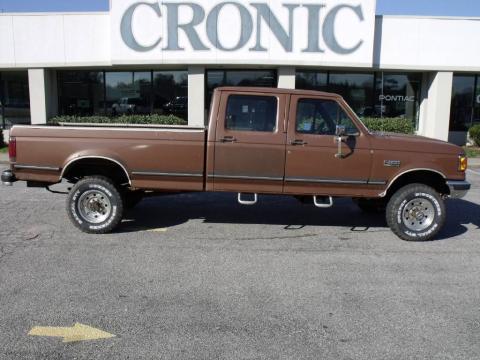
(154, 157)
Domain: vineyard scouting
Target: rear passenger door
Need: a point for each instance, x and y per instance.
(250, 143)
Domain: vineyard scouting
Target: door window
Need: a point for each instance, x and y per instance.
(251, 113)
(321, 117)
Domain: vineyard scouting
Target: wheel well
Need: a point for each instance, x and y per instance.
(96, 166)
(426, 177)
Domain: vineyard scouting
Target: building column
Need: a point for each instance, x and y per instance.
(196, 96)
(43, 95)
(435, 105)
(286, 77)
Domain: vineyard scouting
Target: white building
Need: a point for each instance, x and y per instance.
(168, 56)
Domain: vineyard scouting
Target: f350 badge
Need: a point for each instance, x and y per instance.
(392, 163)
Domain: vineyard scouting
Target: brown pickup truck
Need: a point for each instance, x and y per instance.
(306, 144)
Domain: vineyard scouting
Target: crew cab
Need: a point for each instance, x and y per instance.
(259, 141)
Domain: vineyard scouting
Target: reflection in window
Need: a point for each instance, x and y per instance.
(170, 93)
(251, 113)
(85, 93)
(463, 101)
(81, 93)
(356, 89)
(321, 117)
(311, 80)
(14, 98)
(398, 95)
(378, 94)
(217, 78)
(128, 93)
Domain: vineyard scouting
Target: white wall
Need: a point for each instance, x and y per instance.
(38, 96)
(287, 77)
(93, 39)
(417, 43)
(196, 96)
(47, 40)
(435, 108)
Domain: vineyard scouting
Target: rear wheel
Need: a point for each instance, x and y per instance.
(416, 212)
(94, 205)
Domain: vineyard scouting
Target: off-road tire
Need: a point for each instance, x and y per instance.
(102, 191)
(371, 206)
(428, 211)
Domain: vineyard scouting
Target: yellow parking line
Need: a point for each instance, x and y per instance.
(160, 230)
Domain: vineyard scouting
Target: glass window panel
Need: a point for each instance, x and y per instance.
(262, 78)
(2, 123)
(321, 117)
(81, 93)
(310, 80)
(462, 102)
(251, 113)
(398, 95)
(14, 98)
(476, 103)
(128, 92)
(170, 93)
(217, 78)
(356, 88)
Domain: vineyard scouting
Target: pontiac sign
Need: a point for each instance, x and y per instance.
(203, 31)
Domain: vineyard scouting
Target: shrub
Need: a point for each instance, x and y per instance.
(394, 125)
(124, 119)
(475, 134)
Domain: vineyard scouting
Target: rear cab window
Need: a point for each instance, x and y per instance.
(251, 113)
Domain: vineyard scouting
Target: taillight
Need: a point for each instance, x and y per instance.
(12, 148)
(462, 163)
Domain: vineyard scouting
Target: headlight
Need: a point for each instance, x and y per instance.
(462, 163)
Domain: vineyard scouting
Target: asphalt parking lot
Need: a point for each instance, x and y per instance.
(200, 277)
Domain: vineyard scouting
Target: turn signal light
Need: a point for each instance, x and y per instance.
(462, 163)
(12, 148)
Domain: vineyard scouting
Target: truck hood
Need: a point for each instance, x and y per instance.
(413, 143)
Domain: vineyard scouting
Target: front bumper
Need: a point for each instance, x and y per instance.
(8, 178)
(458, 189)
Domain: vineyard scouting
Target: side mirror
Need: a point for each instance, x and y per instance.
(340, 131)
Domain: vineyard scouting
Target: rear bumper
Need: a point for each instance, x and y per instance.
(458, 189)
(8, 178)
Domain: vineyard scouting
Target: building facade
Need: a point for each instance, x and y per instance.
(167, 58)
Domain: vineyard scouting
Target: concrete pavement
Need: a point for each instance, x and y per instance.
(199, 277)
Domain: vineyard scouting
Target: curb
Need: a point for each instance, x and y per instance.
(473, 162)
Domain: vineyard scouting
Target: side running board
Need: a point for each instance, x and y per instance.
(323, 205)
(247, 202)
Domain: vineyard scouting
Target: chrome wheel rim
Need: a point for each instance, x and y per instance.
(418, 214)
(94, 206)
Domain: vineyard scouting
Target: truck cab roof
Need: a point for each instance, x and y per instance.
(268, 90)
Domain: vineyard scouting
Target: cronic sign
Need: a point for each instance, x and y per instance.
(306, 30)
(248, 23)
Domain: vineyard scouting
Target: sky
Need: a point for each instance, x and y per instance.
(384, 7)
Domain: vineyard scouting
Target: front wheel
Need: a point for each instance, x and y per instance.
(94, 205)
(416, 212)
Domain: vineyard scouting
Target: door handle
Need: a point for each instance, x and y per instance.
(228, 139)
(298, 143)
